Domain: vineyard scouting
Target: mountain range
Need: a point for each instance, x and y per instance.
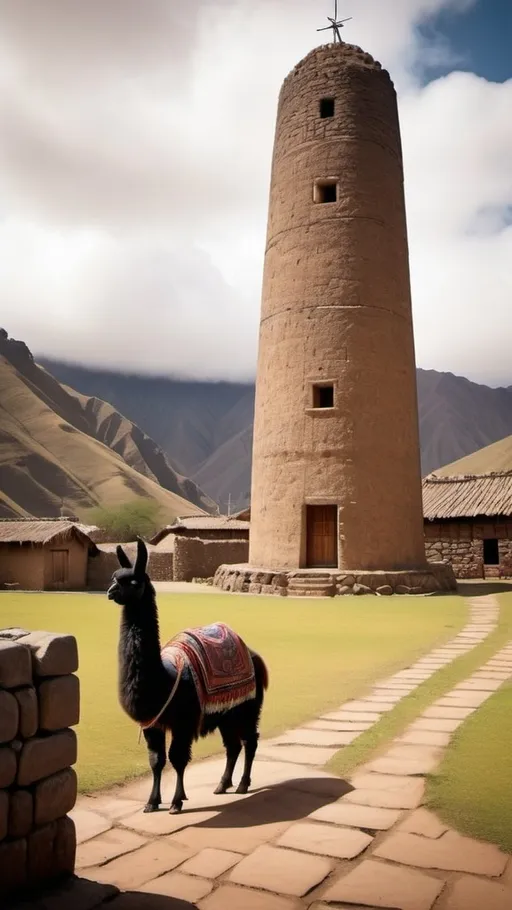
(62, 449)
(205, 428)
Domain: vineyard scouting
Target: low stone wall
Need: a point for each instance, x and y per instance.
(102, 565)
(195, 557)
(434, 578)
(462, 546)
(466, 557)
(39, 703)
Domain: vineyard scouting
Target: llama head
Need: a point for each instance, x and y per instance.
(130, 583)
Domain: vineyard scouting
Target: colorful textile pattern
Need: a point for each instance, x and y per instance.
(219, 662)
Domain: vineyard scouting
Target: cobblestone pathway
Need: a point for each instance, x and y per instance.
(303, 839)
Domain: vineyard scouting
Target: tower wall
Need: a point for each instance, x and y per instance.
(336, 310)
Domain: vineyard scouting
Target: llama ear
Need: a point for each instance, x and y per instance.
(142, 559)
(124, 562)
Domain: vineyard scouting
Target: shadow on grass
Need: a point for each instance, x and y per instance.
(484, 588)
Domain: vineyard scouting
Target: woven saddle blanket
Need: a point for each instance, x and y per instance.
(219, 663)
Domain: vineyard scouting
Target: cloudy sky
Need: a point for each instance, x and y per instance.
(135, 147)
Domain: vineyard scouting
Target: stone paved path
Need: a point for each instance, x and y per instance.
(304, 839)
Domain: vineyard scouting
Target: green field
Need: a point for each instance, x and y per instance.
(472, 791)
(319, 653)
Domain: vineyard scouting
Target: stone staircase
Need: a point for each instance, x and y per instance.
(312, 585)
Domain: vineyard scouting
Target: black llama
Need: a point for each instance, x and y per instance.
(146, 684)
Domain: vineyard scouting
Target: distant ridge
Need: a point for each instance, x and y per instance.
(206, 428)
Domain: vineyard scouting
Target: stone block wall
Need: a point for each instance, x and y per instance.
(466, 557)
(461, 545)
(195, 557)
(39, 704)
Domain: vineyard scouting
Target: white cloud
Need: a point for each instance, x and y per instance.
(135, 145)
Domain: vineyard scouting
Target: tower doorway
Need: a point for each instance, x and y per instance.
(321, 537)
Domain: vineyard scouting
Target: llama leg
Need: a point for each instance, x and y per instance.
(155, 741)
(251, 744)
(179, 757)
(233, 746)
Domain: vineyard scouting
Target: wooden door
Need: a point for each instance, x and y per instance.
(59, 567)
(322, 537)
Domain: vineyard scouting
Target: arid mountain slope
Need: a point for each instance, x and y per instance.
(59, 447)
(492, 459)
(206, 428)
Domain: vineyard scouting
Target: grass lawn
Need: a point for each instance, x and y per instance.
(319, 653)
(472, 790)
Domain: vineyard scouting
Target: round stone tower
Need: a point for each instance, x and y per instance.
(336, 468)
(336, 481)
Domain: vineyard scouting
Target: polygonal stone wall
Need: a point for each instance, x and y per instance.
(39, 703)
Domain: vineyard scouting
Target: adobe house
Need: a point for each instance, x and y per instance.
(468, 523)
(201, 543)
(44, 554)
(207, 527)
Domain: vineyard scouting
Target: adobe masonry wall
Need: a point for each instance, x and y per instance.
(39, 703)
(195, 557)
(102, 566)
(336, 306)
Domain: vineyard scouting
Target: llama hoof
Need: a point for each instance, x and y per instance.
(176, 808)
(222, 788)
(151, 807)
(242, 788)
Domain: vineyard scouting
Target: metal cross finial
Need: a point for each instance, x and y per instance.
(335, 25)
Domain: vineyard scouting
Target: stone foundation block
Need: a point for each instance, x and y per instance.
(27, 703)
(40, 853)
(64, 848)
(13, 865)
(4, 814)
(15, 664)
(55, 796)
(59, 703)
(21, 813)
(52, 655)
(7, 766)
(45, 755)
(9, 716)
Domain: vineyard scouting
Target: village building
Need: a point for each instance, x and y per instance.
(201, 543)
(44, 554)
(468, 523)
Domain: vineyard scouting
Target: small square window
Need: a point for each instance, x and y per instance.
(325, 191)
(326, 108)
(323, 396)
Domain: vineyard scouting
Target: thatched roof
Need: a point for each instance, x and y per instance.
(202, 523)
(468, 496)
(41, 531)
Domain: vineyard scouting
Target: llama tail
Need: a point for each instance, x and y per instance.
(261, 672)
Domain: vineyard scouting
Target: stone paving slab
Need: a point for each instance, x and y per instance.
(355, 816)
(303, 755)
(424, 823)
(230, 897)
(373, 884)
(304, 736)
(281, 871)
(363, 715)
(135, 869)
(210, 863)
(471, 893)
(107, 846)
(177, 885)
(451, 852)
(340, 726)
(325, 840)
